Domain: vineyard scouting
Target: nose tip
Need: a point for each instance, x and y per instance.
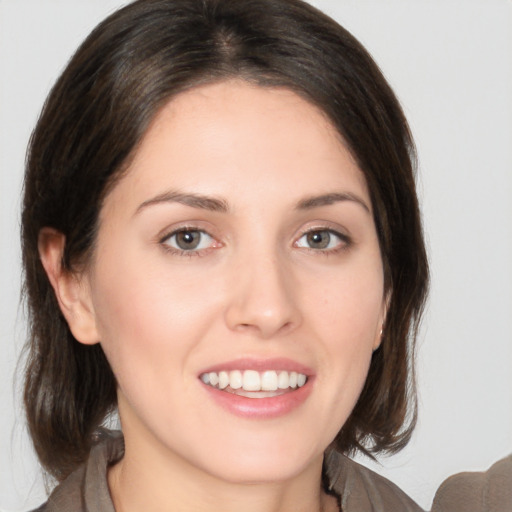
(264, 326)
(263, 303)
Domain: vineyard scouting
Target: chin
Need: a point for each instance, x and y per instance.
(246, 472)
(264, 463)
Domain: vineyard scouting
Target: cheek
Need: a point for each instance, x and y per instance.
(349, 307)
(150, 314)
(146, 314)
(347, 315)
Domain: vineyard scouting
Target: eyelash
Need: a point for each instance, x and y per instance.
(345, 242)
(164, 242)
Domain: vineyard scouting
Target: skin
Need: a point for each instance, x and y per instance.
(255, 287)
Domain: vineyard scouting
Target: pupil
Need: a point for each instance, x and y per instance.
(319, 239)
(187, 240)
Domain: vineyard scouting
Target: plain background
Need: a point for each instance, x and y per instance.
(450, 63)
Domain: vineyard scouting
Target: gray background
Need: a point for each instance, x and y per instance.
(450, 63)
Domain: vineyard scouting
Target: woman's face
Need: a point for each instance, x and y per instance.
(239, 248)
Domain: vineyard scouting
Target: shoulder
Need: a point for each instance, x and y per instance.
(363, 490)
(487, 491)
(86, 489)
(67, 496)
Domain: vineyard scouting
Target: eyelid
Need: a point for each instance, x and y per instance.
(175, 231)
(345, 239)
(171, 231)
(187, 225)
(324, 225)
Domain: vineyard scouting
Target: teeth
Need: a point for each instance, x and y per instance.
(235, 379)
(223, 380)
(251, 380)
(283, 381)
(214, 378)
(269, 381)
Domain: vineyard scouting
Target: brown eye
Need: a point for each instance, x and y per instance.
(322, 240)
(188, 240)
(318, 239)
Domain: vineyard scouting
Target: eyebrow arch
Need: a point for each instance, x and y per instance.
(188, 199)
(328, 199)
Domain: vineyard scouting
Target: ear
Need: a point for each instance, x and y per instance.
(385, 306)
(71, 290)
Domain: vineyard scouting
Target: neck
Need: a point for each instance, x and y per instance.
(161, 482)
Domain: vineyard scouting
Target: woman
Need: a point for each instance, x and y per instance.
(221, 241)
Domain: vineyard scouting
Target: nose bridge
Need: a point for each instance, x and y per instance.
(263, 297)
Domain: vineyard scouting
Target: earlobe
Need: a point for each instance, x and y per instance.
(380, 332)
(71, 290)
(378, 339)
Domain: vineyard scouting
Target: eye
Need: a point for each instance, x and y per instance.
(188, 240)
(322, 239)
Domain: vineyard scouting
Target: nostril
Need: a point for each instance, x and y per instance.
(246, 327)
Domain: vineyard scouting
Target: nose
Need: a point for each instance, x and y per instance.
(263, 298)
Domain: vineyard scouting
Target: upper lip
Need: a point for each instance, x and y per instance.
(260, 364)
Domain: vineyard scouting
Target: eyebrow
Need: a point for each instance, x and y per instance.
(327, 199)
(216, 204)
(194, 200)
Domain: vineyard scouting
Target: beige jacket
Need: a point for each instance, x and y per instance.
(359, 489)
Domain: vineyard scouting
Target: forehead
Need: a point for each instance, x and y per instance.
(235, 138)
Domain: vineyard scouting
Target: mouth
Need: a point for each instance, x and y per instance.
(257, 388)
(253, 383)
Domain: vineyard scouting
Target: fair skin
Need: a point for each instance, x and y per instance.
(241, 238)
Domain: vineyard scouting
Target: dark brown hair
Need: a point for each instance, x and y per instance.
(91, 124)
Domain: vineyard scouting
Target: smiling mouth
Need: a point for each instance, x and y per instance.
(254, 384)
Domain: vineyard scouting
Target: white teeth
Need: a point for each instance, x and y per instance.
(269, 381)
(223, 380)
(253, 381)
(235, 379)
(283, 380)
(214, 378)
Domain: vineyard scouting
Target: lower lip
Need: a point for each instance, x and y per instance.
(260, 408)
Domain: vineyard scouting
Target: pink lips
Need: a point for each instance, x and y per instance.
(261, 408)
(261, 365)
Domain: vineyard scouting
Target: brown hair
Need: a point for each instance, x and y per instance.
(90, 126)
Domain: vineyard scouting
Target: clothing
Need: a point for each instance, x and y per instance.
(489, 491)
(359, 489)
